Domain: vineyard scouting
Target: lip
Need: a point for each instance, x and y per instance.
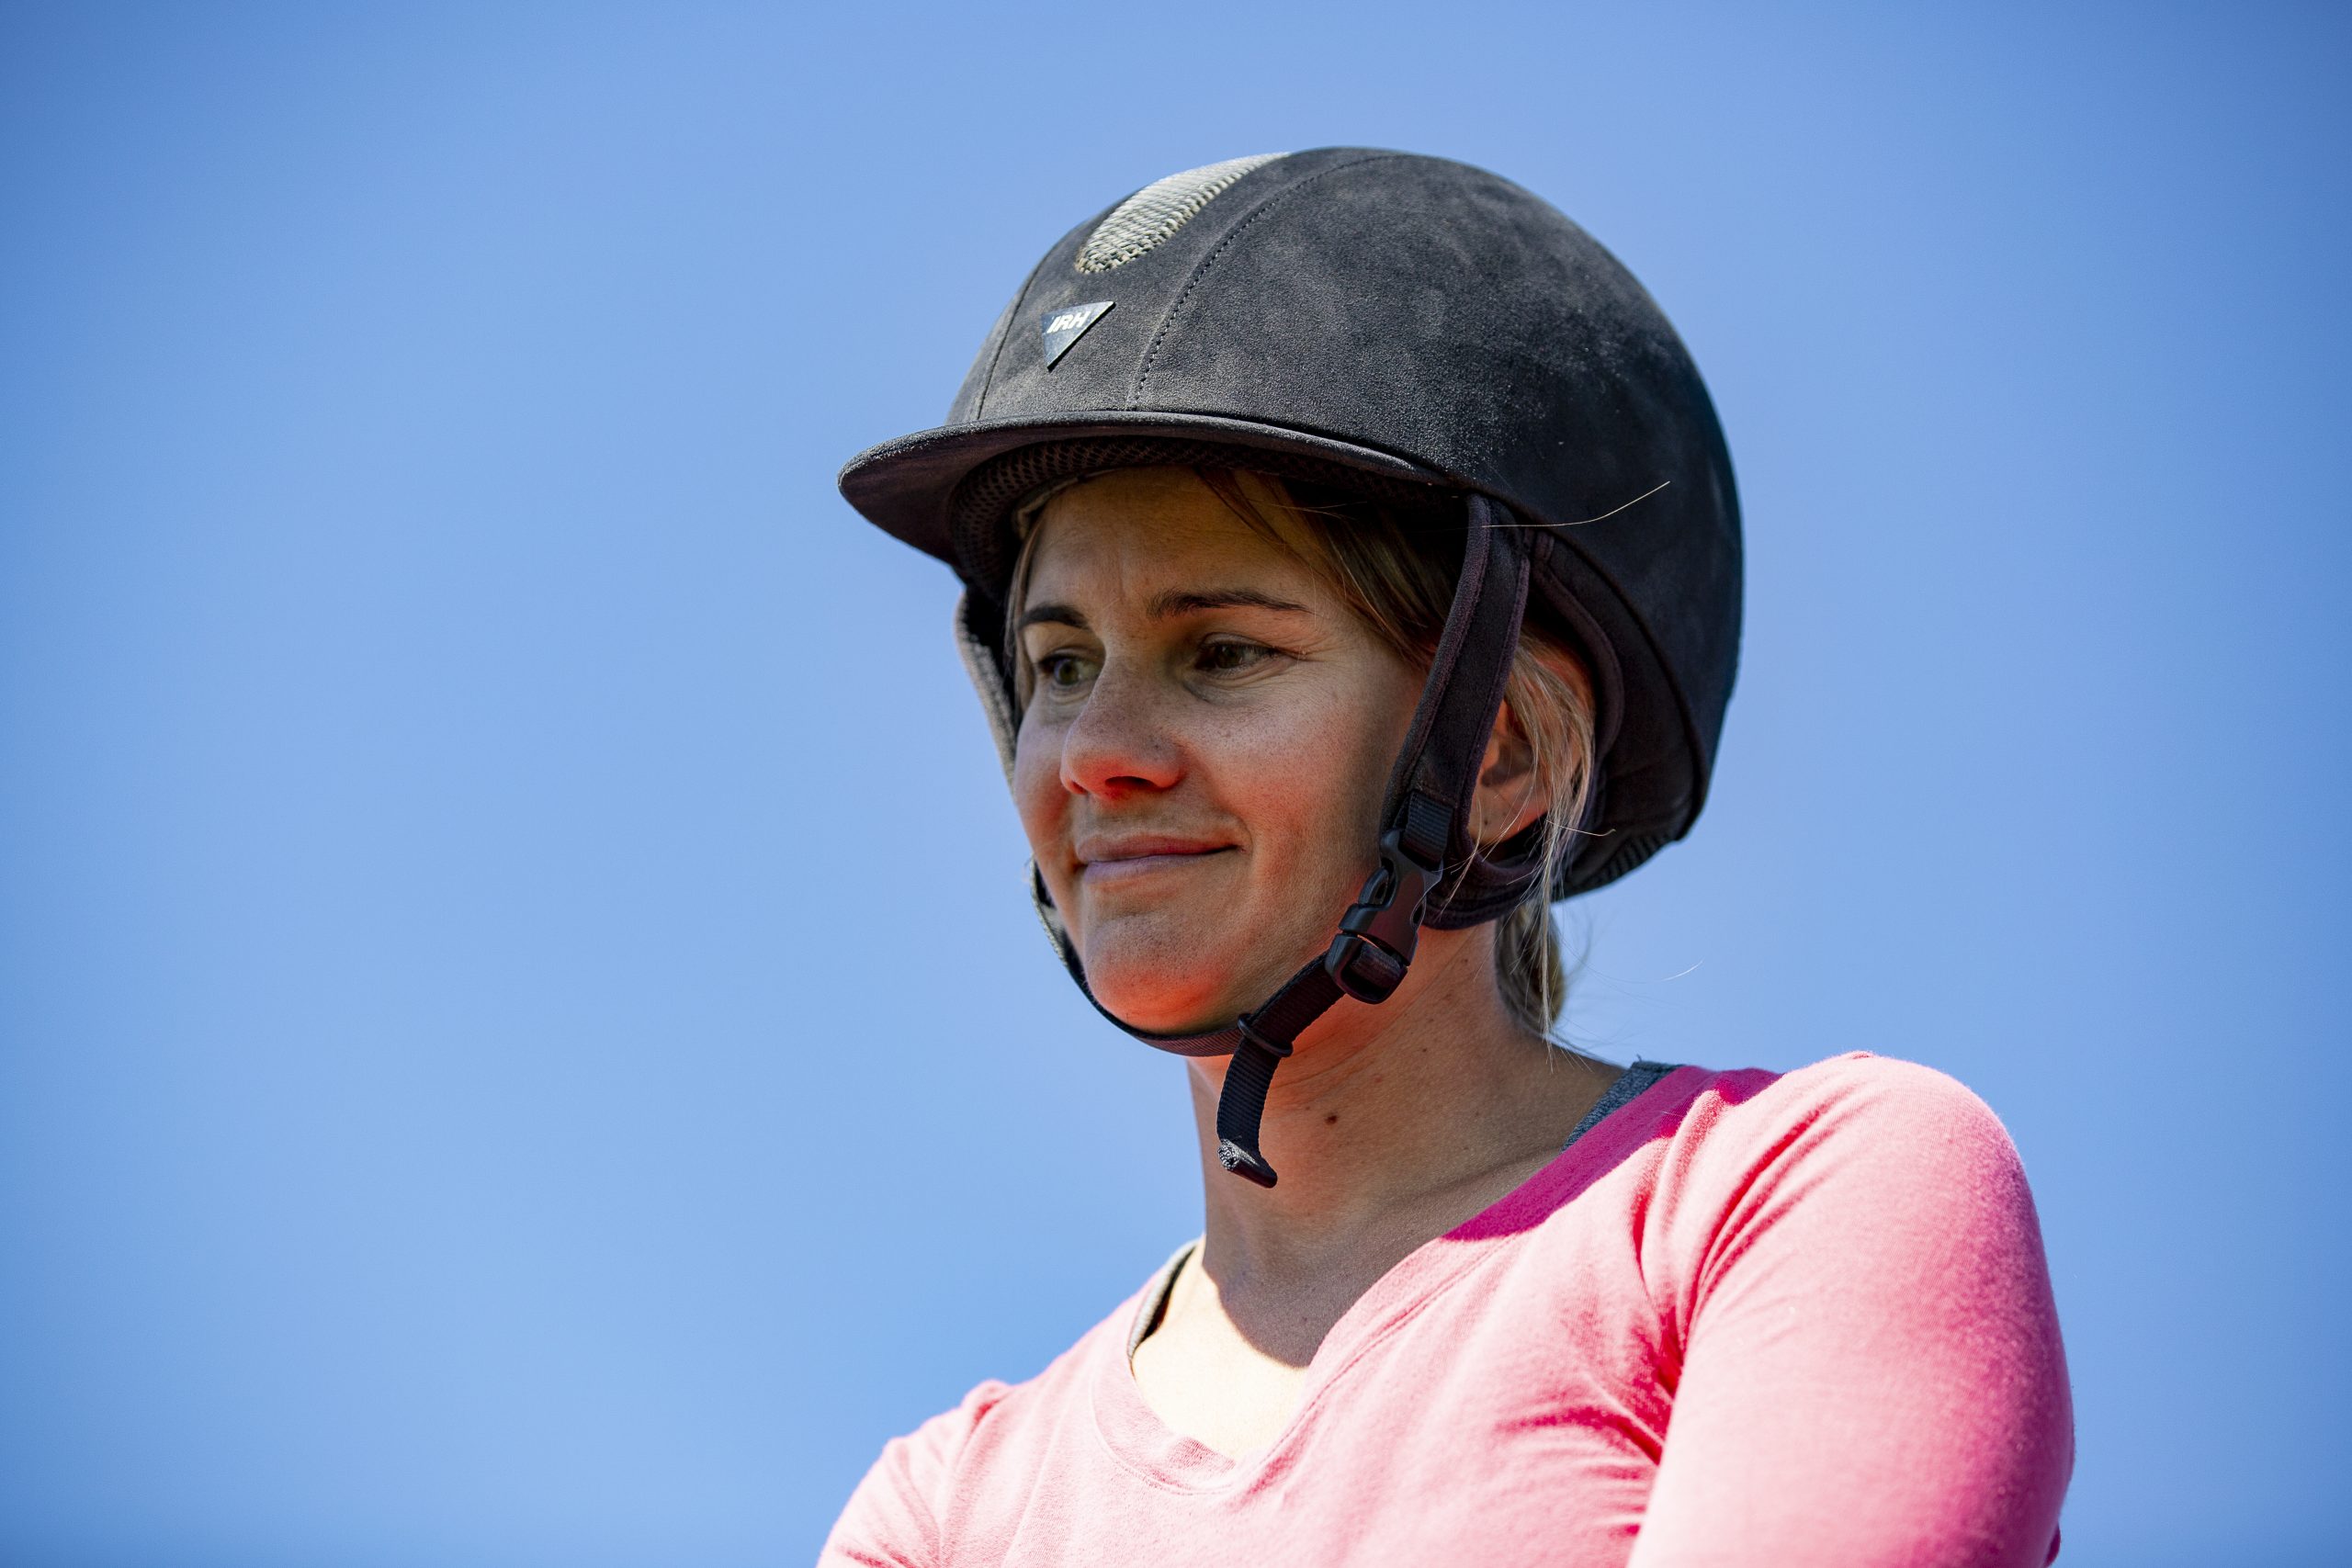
(1128, 857)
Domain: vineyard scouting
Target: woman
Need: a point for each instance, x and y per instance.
(1351, 568)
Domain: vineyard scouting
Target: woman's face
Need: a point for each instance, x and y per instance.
(1200, 763)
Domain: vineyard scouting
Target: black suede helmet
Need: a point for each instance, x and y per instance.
(1408, 329)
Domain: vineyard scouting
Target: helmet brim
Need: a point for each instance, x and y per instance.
(904, 487)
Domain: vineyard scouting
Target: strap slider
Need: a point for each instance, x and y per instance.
(1368, 958)
(1248, 1024)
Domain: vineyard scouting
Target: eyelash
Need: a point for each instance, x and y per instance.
(1203, 661)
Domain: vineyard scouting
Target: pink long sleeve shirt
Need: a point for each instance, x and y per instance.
(1789, 1321)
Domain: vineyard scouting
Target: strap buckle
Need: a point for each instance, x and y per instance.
(1369, 957)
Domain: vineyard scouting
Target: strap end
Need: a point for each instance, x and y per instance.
(1247, 1164)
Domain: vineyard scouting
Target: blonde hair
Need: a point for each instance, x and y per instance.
(1395, 570)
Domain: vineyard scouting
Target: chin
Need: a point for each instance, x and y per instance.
(1176, 981)
(1169, 987)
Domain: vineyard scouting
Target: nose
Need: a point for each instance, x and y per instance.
(1121, 743)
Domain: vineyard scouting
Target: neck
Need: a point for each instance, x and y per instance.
(1389, 1126)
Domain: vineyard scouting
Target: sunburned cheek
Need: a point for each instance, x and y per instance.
(1279, 774)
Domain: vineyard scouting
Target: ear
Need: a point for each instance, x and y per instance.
(1508, 801)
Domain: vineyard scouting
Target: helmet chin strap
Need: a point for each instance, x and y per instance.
(1426, 850)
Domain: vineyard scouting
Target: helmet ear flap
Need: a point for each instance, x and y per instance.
(979, 642)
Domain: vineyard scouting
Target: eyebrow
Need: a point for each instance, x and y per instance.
(1175, 602)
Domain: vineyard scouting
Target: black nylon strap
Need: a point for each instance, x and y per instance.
(1240, 1106)
(1436, 776)
(1427, 808)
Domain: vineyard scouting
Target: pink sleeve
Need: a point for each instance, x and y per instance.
(1869, 1370)
(891, 1520)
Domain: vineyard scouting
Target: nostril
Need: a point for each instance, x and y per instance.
(1111, 787)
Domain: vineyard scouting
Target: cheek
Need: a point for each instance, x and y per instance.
(1280, 779)
(1048, 811)
(1037, 792)
(1307, 780)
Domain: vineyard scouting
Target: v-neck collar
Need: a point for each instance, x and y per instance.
(1138, 1438)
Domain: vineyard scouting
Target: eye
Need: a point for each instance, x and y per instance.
(1229, 657)
(1065, 671)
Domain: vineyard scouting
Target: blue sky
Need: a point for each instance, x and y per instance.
(520, 1037)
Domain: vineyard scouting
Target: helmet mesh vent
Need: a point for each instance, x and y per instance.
(1158, 211)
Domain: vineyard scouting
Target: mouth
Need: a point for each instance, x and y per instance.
(1114, 863)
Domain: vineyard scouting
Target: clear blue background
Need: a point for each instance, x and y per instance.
(520, 1038)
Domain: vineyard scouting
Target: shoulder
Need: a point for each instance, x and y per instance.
(1852, 1164)
(1851, 1107)
(1847, 1265)
(898, 1513)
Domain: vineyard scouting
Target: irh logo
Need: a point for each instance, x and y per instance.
(1064, 324)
